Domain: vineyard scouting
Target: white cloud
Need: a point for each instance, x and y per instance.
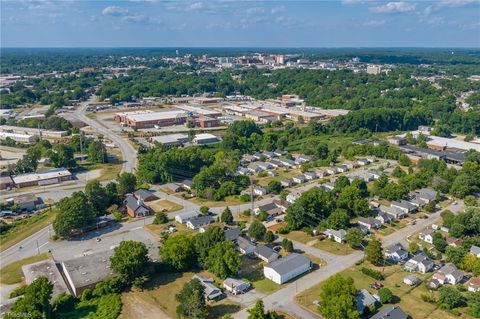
(196, 6)
(277, 9)
(136, 18)
(114, 11)
(394, 7)
(374, 23)
(455, 3)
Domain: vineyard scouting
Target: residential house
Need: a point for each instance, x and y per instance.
(232, 234)
(411, 280)
(342, 168)
(135, 207)
(300, 159)
(257, 156)
(369, 223)
(183, 217)
(259, 191)
(145, 195)
(322, 173)
(475, 250)
(337, 235)
(280, 153)
(254, 168)
(363, 162)
(293, 196)
(269, 155)
(286, 182)
(266, 253)
(174, 187)
(420, 262)
(247, 158)
(211, 292)
(187, 184)
(243, 171)
(245, 246)
(390, 312)
(264, 166)
(272, 172)
(282, 204)
(396, 253)
(328, 186)
(427, 235)
(474, 284)
(365, 300)
(453, 241)
(271, 209)
(405, 206)
(286, 162)
(236, 286)
(287, 268)
(418, 202)
(332, 170)
(427, 194)
(310, 175)
(374, 173)
(384, 218)
(299, 179)
(448, 274)
(199, 221)
(396, 213)
(276, 163)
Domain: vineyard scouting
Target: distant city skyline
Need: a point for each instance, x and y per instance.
(225, 23)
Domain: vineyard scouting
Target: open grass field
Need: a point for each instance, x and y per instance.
(156, 230)
(409, 298)
(325, 245)
(160, 292)
(26, 228)
(229, 201)
(164, 205)
(12, 273)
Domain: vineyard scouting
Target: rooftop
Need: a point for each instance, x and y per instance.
(41, 175)
(286, 264)
(46, 268)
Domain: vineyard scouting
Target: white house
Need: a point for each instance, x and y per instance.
(199, 221)
(420, 262)
(211, 292)
(310, 175)
(245, 246)
(299, 179)
(448, 274)
(293, 196)
(405, 206)
(475, 250)
(337, 235)
(411, 280)
(332, 170)
(183, 217)
(259, 191)
(427, 235)
(396, 253)
(236, 286)
(369, 223)
(342, 168)
(287, 268)
(286, 182)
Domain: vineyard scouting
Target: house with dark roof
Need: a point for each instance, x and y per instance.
(299, 179)
(211, 292)
(365, 300)
(390, 312)
(265, 253)
(135, 207)
(405, 206)
(310, 175)
(337, 235)
(199, 221)
(145, 195)
(245, 246)
(427, 194)
(287, 268)
(384, 218)
(232, 234)
(420, 262)
(187, 184)
(448, 274)
(369, 223)
(395, 212)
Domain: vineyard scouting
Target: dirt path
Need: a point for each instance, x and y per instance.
(139, 307)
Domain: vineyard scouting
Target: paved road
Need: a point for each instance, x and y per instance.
(129, 154)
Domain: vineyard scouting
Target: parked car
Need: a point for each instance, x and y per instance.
(376, 285)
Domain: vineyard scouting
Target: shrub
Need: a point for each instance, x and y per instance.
(385, 295)
(283, 230)
(118, 216)
(427, 298)
(64, 303)
(18, 291)
(160, 218)
(87, 294)
(372, 273)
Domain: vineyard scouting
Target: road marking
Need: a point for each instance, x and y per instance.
(136, 228)
(42, 245)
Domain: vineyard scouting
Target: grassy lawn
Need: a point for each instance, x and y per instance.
(409, 297)
(161, 290)
(252, 271)
(108, 170)
(229, 201)
(12, 273)
(327, 245)
(26, 228)
(164, 205)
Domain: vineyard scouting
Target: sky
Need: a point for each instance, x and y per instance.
(229, 23)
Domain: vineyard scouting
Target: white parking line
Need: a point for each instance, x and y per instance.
(136, 228)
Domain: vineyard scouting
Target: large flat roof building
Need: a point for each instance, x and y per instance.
(85, 272)
(46, 268)
(151, 119)
(199, 110)
(41, 178)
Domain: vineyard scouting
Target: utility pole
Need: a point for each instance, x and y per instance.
(251, 200)
(38, 248)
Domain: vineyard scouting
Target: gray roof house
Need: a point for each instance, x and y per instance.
(448, 274)
(310, 175)
(145, 195)
(420, 262)
(232, 234)
(393, 211)
(390, 312)
(266, 253)
(427, 194)
(475, 250)
(185, 216)
(199, 221)
(396, 252)
(135, 207)
(245, 246)
(337, 235)
(299, 179)
(369, 222)
(287, 268)
(286, 161)
(427, 235)
(211, 291)
(276, 163)
(404, 205)
(235, 286)
(364, 300)
(384, 218)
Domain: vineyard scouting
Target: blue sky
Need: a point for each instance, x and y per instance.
(227, 23)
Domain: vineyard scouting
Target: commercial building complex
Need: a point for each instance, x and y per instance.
(41, 178)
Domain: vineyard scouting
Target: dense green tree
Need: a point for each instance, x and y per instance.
(160, 218)
(130, 259)
(385, 295)
(35, 303)
(313, 206)
(339, 219)
(126, 183)
(62, 155)
(204, 242)
(274, 187)
(226, 216)
(354, 237)
(97, 152)
(75, 213)
(256, 230)
(374, 252)
(269, 237)
(474, 305)
(191, 301)
(97, 196)
(178, 252)
(439, 242)
(287, 245)
(450, 298)
(223, 260)
(338, 298)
